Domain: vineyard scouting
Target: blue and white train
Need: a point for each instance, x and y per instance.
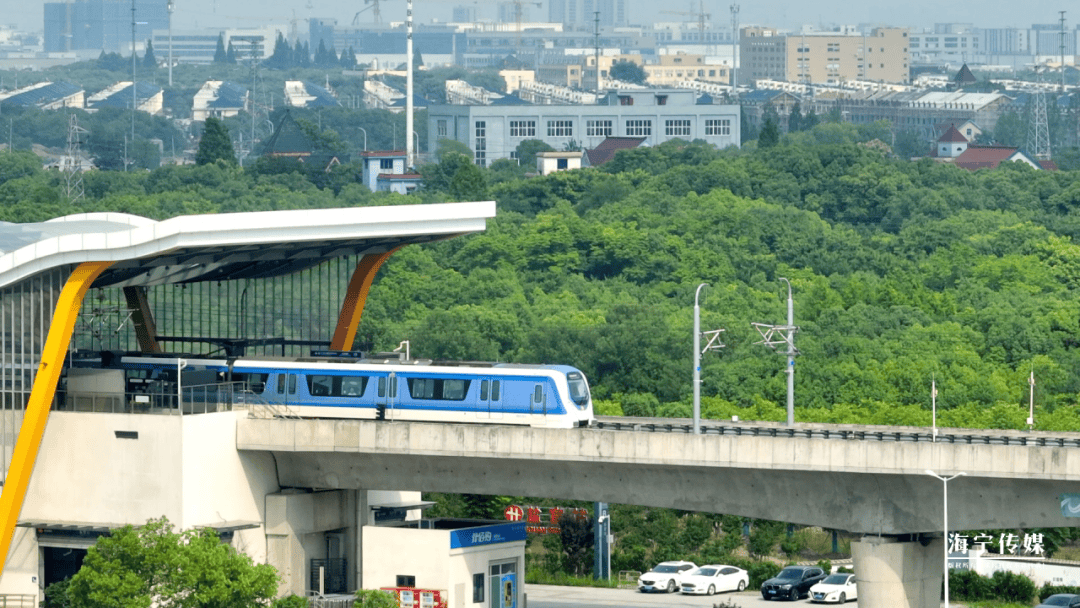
(555, 396)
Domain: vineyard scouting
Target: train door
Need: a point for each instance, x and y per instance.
(285, 390)
(385, 397)
(538, 408)
(490, 406)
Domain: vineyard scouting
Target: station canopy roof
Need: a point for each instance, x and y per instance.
(224, 247)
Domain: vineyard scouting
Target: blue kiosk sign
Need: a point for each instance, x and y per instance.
(488, 535)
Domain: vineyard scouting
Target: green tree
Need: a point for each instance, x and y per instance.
(628, 71)
(527, 150)
(374, 598)
(747, 132)
(770, 134)
(576, 534)
(149, 61)
(220, 54)
(215, 143)
(1010, 130)
(795, 119)
(155, 566)
(281, 58)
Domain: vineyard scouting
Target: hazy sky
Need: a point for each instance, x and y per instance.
(27, 14)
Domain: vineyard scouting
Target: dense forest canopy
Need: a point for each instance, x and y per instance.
(902, 272)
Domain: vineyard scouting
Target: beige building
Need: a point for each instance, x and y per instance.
(824, 58)
(670, 70)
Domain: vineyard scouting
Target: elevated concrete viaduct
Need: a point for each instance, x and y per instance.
(878, 489)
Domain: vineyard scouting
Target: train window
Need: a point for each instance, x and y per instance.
(336, 386)
(281, 383)
(323, 386)
(451, 389)
(382, 387)
(353, 386)
(256, 383)
(422, 388)
(538, 394)
(483, 390)
(494, 390)
(579, 389)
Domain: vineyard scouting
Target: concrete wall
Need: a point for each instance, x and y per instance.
(296, 523)
(392, 551)
(426, 554)
(894, 573)
(185, 468)
(860, 486)
(22, 573)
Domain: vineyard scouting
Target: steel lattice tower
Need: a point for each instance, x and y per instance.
(72, 165)
(1038, 141)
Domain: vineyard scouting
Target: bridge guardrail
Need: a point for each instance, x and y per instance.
(860, 434)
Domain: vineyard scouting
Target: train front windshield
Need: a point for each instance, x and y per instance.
(579, 389)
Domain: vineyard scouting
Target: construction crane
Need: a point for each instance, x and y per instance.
(701, 16)
(376, 15)
(519, 11)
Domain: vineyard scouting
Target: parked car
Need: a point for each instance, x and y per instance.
(1061, 600)
(665, 576)
(711, 579)
(837, 588)
(792, 583)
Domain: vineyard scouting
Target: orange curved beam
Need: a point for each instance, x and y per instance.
(355, 298)
(41, 397)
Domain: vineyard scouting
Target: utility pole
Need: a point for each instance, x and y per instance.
(1062, 51)
(409, 151)
(735, 51)
(170, 7)
(134, 91)
(596, 47)
(714, 344)
(776, 335)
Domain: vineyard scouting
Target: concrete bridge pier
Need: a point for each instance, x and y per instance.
(894, 572)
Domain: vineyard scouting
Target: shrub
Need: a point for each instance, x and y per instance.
(761, 572)
(1005, 586)
(1047, 590)
(825, 565)
(1012, 587)
(968, 585)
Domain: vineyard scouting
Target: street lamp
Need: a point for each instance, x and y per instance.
(945, 510)
(364, 131)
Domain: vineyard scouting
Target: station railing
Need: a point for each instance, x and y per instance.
(197, 399)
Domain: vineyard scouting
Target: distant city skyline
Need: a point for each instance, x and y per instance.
(916, 14)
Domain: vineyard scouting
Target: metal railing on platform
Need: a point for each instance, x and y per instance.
(315, 600)
(628, 579)
(198, 399)
(18, 601)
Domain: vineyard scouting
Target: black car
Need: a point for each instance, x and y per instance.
(792, 583)
(1061, 600)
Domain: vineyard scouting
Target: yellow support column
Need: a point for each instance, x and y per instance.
(41, 397)
(355, 297)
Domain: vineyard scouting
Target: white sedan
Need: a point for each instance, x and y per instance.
(837, 588)
(708, 580)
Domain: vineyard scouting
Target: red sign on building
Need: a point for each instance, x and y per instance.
(544, 520)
